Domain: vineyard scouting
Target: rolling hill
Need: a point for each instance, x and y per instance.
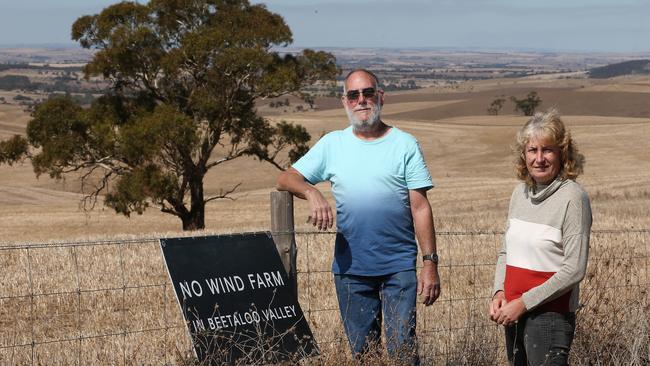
(634, 67)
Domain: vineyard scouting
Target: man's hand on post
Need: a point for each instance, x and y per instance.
(321, 211)
(429, 283)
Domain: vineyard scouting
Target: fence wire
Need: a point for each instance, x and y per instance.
(456, 329)
(110, 302)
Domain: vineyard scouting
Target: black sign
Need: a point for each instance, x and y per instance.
(237, 300)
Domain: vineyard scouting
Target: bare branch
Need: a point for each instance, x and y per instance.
(107, 163)
(272, 161)
(223, 195)
(225, 159)
(164, 208)
(89, 200)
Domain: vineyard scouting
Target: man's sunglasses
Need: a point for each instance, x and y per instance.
(353, 95)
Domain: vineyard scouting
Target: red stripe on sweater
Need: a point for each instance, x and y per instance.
(519, 280)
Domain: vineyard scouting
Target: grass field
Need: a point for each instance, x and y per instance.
(468, 154)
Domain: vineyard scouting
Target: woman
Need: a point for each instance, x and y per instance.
(545, 248)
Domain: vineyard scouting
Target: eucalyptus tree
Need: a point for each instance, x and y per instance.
(527, 105)
(184, 77)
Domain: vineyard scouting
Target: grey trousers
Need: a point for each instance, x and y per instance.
(540, 339)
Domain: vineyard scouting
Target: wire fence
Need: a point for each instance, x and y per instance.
(456, 329)
(87, 303)
(110, 302)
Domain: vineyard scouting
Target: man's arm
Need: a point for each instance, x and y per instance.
(429, 280)
(321, 212)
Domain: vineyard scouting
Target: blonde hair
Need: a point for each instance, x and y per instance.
(548, 125)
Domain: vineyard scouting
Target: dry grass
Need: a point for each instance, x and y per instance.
(467, 152)
(13, 119)
(614, 324)
(120, 289)
(110, 303)
(88, 305)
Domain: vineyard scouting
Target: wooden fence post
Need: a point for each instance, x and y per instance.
(282, 230)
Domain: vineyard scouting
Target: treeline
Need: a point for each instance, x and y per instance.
(634, 67)
(65, 83)
(16, 82)
(390, 85)
(30, 102)
(408, 85)
(46, 67)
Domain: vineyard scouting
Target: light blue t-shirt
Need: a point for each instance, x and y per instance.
(370, 182)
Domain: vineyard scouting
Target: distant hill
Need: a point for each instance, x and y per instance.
(634, 67)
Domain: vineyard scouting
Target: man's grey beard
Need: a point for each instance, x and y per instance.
(368, 125)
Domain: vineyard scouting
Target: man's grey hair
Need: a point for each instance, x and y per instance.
(368, 72)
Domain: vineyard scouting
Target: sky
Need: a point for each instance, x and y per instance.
(551, 25)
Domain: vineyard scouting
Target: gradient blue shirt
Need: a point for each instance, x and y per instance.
(370, 182)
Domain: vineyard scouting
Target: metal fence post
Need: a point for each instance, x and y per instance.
(282, 230)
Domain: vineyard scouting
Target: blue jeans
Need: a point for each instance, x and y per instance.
(363, 300)
(540, 339)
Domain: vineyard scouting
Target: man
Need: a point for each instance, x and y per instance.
(380, 182)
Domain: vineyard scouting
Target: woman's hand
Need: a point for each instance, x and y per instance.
(511, 312)
(498, 301)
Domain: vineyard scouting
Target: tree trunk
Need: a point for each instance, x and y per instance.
(195, 218)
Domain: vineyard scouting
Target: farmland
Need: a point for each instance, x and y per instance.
(468, 154)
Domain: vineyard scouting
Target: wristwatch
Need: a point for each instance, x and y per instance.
(430, 257)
